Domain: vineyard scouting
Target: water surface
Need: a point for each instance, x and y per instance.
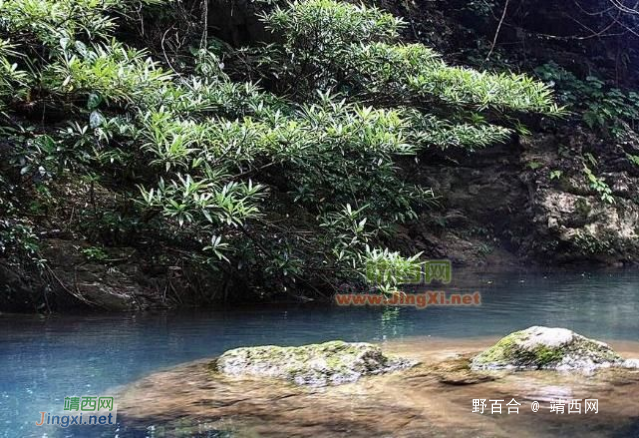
(42, 360)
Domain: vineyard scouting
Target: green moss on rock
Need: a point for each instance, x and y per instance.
(547, 348)
(332, 362)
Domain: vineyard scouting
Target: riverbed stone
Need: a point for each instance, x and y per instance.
(631, 363)
(330, 363)
(547, 348)
(456, 371)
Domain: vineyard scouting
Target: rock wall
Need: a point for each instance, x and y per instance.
(525, 202)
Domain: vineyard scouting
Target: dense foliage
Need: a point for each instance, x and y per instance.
(291, 184)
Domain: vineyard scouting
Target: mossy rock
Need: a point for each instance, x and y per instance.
(547, 348)
(330, 363)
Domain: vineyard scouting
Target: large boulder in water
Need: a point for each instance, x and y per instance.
(547, 348)
(330, 363)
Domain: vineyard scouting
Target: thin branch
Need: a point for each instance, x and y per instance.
(166, 57)
(624, 8)
(204, 43)
(501, 22)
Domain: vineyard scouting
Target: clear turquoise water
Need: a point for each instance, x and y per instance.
(42, 360)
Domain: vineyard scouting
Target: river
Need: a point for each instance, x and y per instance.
(45, 359)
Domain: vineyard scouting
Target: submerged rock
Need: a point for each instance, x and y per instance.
(456, 371)
(330, 363)
(547, 348)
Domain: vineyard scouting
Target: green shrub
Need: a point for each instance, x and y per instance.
(604, 109)
(293, 184)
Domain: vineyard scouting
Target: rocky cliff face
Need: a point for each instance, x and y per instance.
(576, 218)
(560, 195)
(529, 201)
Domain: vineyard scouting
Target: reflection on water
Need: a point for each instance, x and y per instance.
(45, 359)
